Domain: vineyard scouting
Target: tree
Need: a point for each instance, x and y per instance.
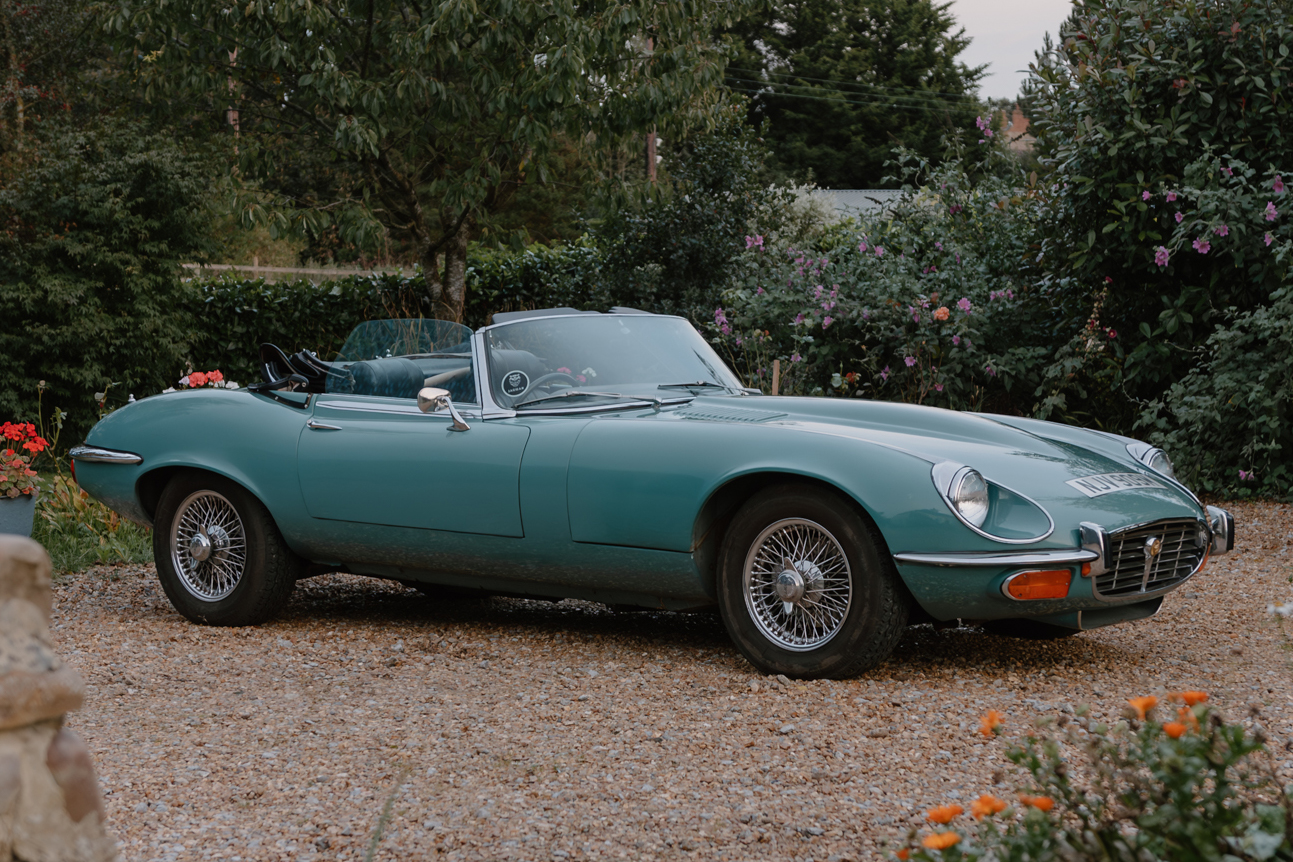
(842, 82)
(439, 111)
(1133, 95)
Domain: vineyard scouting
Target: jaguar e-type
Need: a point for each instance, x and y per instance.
(614, 457)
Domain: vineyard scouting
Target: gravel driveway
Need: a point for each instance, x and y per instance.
(372, 719)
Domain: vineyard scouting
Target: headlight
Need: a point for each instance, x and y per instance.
(969, 494)
(1154, 459)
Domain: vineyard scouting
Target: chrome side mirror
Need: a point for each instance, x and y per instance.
(432, 400)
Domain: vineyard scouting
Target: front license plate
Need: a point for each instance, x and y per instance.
(1094, 486)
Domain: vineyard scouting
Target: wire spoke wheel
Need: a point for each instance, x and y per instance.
(797, 584)
(208, 545)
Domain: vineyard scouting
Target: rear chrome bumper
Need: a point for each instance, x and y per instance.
(99, 455)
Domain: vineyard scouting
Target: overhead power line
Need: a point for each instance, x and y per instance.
(916, 91)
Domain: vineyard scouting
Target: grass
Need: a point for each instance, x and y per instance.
(79, 532)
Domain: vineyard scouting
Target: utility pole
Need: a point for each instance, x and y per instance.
(650, 136)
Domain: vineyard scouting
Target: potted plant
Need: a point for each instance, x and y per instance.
(17, 479)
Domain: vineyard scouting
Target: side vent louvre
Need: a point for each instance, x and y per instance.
(727, 414)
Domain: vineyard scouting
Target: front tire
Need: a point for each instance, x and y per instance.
(220, 556)
(804, 589)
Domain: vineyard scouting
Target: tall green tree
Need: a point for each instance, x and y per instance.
(440, 110)
(842, 82)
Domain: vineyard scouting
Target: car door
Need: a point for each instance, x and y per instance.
(379, 460)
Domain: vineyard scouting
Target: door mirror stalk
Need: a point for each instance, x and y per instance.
(432, 400)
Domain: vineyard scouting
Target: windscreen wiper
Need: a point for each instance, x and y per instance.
(699, 384)
(571, 393)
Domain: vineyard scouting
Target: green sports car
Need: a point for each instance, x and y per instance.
(614, 457)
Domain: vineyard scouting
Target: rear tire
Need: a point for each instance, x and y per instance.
(220, 556)
(1031, 630)
(804, 589)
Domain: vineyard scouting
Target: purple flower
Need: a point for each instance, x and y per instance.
(956, 339)
(884, 375)
(866, 315)
(1202, 246)
(1145, 195)
(759, 292)
(755, 241)
(958, 258)
(1269, 239)
(910, 360)
(1179, 216)
(862, 245)
(719, 317)
(1161, 255)
(817, 294)
(1278, 185)
(938, 245)
(964, 304)
(827, 321)
(799, 318)
(1171, 196)
(1271, 212)
(992, 371)
(954, 209)
(938, 387)
(796, 358)
(879, 251)
(1245, 475)
(1221, 230)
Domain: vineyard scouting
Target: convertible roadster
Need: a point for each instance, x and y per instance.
(614, 457)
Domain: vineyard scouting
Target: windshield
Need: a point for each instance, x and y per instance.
(396, 358)
(548, 359)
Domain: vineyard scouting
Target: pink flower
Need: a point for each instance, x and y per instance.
(581, 378)
(938, 245)
(938, 387)
(1179, 216)
(956, 339)
(1269, 239)
(827, 321)
(796, 358)
(1161, 255)
(879, 251)
(1245, 475)
(1278, 185)
(1228, 172)
(964, 304)
(1221, 230)
(1171, 196)
(862, 245)
(799, 318)
(1202, 246)
(910, 360)
(1111, 332)
(992, 371)
(1145, 195)
(884, 375)
(1271, 212)
(754, 242)
(563, 370)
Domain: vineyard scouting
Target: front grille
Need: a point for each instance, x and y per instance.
(1180, 556)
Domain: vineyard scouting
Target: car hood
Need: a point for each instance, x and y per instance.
(1033, 458)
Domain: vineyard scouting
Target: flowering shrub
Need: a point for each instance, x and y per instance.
(924, 305)
(198, 379)
(21, 446)
(1194, 787)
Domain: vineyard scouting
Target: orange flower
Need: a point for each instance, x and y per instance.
(990, 722)
(1192, 698)
(1143, 705)
(1187, 715)
(940, 840)
(987, 805)
(1174, 729)
(944, 814)
(904, 853)
(941, 313)
(1041, 803)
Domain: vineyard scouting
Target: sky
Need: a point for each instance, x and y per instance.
(1005, 34)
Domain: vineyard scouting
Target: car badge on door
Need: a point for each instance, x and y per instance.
(515, 383)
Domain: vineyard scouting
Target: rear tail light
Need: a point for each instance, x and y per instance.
(1030, 586)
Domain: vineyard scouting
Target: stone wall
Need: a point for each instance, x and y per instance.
(50, 806)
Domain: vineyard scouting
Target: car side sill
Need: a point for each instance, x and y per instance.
(1059, 556)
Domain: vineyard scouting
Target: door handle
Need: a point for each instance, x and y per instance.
(316, 425)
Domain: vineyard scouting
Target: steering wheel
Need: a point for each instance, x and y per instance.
(544, 380)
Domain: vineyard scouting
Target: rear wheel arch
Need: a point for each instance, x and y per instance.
(149, 487)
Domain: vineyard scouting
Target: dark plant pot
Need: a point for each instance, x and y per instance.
(17, 514)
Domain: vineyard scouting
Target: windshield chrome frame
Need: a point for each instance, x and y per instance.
(491, 409)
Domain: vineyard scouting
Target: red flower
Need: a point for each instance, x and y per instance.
(197, 378)
(215, 376)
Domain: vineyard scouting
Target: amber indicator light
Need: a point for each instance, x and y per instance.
(1050, 584)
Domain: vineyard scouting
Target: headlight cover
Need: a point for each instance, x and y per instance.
(1153, 458)
(990, 509)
